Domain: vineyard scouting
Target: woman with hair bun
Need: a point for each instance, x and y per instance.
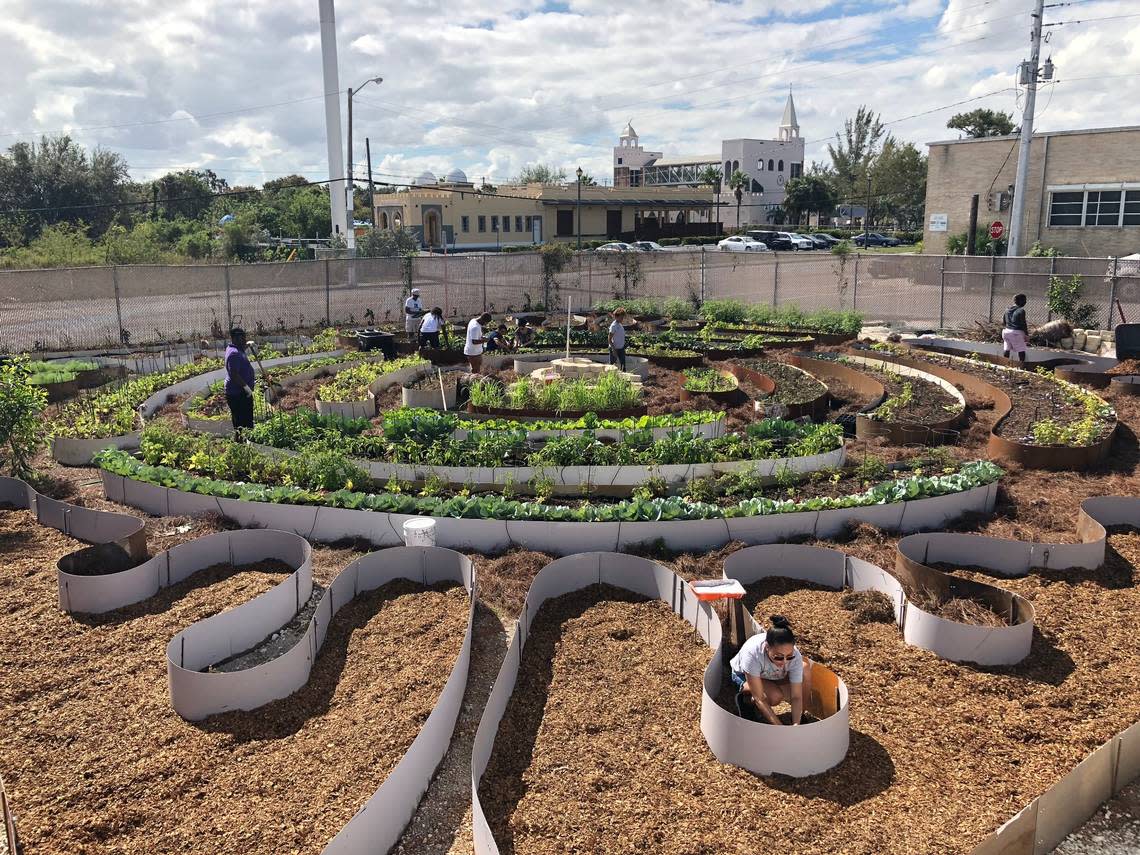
(768, 670)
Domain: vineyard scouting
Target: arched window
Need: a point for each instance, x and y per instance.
(383, 220)
(727, 169)
(735, 165)
(771, 165)
(781, 166)
(760, 165)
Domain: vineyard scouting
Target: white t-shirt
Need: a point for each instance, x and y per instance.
(753, 659)
(474, 331)
(430, 324)
(411, 319)
(618, 332)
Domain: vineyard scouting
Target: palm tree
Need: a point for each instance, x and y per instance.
(712, 176)
(738, 181)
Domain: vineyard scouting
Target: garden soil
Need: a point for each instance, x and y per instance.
(97, 761)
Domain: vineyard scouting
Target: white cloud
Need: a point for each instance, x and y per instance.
(491, 86)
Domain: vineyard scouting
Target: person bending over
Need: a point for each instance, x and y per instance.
(430, 328)
(524, 334)
(1015, 335)
(239, 383)
(617, 339)
(769, 669)
(473, 348)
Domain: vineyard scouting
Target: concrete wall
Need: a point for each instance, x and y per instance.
(959, 169)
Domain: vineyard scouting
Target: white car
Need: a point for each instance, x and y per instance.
(647, 246)
(798, 241)
(741, 243)
(615, 246)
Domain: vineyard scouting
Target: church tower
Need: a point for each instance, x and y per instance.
(789, 125)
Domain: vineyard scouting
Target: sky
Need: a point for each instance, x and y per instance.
(490, 87)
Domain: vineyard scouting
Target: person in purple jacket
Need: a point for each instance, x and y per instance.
(239, 382)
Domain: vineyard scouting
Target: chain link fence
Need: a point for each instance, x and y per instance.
(95, 307)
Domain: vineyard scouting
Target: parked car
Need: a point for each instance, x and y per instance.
(772, 240)
(615, 246)
(799, 241)
(741, 243)
(874, 239)
(821, 241)
(647, 246)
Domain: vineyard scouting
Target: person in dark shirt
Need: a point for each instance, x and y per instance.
(239, 383)
(1015, 332)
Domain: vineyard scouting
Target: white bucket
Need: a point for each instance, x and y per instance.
(419, 532)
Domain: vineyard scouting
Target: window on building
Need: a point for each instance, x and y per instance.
(482, 223)
(771, 165)
(518, 224)
(797, 170)
(727, 169)
(530, 224)
(494, 224)
(1131, 208)
(507, 223)
(735, 165)
(781, 166)
(565, 224)
(1065, 208)
(465, 224)
(619, 161)
(1102, 208)
(760, 165)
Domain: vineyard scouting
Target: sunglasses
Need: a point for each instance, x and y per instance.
(776, 657)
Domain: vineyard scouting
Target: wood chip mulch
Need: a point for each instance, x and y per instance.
(96, 761)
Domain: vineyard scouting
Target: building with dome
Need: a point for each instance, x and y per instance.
(768, 164)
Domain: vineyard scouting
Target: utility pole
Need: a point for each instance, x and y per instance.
(867, 216)
(578, 212)
(332, 116)
(371, 186)
(350, 238)
(972, 234)
(1028, 76)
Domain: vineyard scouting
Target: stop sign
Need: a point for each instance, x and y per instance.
(997, 229)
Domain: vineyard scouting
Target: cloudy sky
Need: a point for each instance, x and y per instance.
(491, 86)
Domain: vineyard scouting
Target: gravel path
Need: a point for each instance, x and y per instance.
(1113, 830)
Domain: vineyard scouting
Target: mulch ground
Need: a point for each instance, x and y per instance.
(95, 759)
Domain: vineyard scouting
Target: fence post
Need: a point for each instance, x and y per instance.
(590, 282)
(1112, 293)
(855, 289)
(1052, 273)
(942, 293)
(702, 273)
(328, 291)
(484, 281)
(119, 303)
(775, 279)
(229, 304)
(993, 277)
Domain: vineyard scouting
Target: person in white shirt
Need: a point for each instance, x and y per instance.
(768, 670)
(617, 339)
(430, 328)
(473, 348)
(413, 311)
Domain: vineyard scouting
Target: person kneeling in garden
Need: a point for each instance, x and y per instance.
(768, 670)
(239, 382)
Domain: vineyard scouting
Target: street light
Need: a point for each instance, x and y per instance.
(578, 208)
(350, 238)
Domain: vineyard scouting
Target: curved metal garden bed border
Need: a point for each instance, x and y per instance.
(9, 821)
(505, 413)
(1125, 384)
(902, 433)
(381, 528)
(815, 409)
(728, 397)
(599, 476)
(707, 430)
(366, 408)
(801, 751)
(1000, 448)
(671, 363)
(78, 452)
(1086, 368)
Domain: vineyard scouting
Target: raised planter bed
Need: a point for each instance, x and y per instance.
(903, 432)
(443, 356)
(366, 408)
(726, 396)
(716, 354)
(503, 412)
(1084, 368)
(708, 430)
(815, 408)
(526, 363)
(427, 391)
(672, 363)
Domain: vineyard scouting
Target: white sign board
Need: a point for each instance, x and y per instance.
(938, 222)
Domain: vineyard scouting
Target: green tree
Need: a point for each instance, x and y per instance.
(387, 243)
(188, 193)
(712, 176)
(285, 182)
(62, 184)
(854, 151)
(541, 173)
(21, 431)
(738, 182)
(587, 180)
(983, 123)
(808, 194)
(898, 176)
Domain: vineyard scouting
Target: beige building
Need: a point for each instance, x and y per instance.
(453, 212)
(1083, 193)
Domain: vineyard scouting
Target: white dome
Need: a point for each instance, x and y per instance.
(457, 176)
(424, 179)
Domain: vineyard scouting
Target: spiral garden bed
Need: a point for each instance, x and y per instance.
(1031, 673)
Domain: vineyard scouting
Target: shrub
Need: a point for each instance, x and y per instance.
(678, 309)
(724, 311)
(1064, 299)
(21, 403)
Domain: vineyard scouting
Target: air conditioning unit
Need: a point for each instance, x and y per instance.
(998, 201)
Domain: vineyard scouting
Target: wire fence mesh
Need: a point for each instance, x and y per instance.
(93, 307)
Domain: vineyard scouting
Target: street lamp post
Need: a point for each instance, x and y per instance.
(578, 207)
(350, 238)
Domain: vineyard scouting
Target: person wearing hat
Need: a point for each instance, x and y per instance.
(413, 311)
(239, 383)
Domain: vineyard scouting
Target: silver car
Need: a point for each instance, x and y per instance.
(741, 243)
